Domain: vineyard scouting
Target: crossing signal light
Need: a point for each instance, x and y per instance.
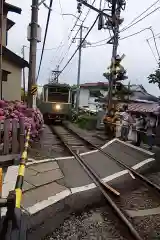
(79, 7)
(119, 87)
(100, 22)
(121, 76)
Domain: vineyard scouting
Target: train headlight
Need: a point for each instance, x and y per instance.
(58, 107)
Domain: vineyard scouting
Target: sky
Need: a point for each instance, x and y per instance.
(139, 60)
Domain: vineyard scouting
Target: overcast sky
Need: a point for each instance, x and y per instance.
(139, 60)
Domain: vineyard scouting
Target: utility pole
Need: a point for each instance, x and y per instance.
(115, 22)
(24, 81)
(1, 43)
(79, 69)
(32, 54)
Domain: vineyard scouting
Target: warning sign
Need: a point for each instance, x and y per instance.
(34, 90)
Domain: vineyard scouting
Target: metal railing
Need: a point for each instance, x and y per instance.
(11, 223)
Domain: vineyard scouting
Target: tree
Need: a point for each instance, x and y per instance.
(155, 77)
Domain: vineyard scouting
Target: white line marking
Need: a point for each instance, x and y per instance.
(51, 200)
(33, 161)
(135, 147)
(83, 188)
(138, 165)
(108, 143)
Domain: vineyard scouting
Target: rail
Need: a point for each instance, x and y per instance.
(130, 170)
(11, 223)
(103, 188)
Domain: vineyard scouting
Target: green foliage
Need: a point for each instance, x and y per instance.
(74, 86)
(155, 77)
(87, 122)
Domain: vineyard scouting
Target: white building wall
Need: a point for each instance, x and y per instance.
(83, 98)
(86, 100)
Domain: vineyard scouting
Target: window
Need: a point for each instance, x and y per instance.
(5, 75)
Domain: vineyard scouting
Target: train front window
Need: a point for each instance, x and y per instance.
(58, 94)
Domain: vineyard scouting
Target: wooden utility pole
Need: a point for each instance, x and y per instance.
(115, 22)
(79, 69)
(24, 82)
(1, 43)
(32, 54)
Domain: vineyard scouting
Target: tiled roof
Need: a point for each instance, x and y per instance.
(140, 107)
(94, 84)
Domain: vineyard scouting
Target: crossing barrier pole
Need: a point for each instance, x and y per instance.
(1, 182)
(21, 171)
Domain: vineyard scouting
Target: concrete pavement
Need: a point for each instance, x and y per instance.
(60, 185)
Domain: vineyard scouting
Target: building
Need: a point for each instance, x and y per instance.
(12, 64)
(90, 92)
(139, 101)
(140, 93)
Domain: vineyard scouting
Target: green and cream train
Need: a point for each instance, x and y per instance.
(55, 101)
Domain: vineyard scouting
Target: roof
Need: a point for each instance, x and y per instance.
(57, 84)
(12, 8)
(12, 57)
(139, 92)
(10, 23)
(140, 107)
(94, 84)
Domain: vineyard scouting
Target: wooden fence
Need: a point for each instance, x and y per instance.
(18, 134)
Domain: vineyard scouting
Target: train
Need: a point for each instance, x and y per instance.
(55, 102)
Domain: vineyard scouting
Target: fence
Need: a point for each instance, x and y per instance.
(12, 226)
(11, 140)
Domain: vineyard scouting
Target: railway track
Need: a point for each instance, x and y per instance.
(69, 139)
(73, 140)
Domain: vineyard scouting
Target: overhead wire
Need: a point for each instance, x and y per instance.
(134, 23)
(45, 36)
(152, 50)
(131, 35)
(79, 45)
(75, 34)
(61, 60)
(143, 12)
(61, 43)
(125, 28)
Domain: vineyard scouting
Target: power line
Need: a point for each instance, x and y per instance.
(129, 26)
(61, 60)
(79, 45)
(152, 51)
(76, 33)
(155, 36)
(131, 35)
(45, 49)
(142, 13)
(45, 36)
(125, 28)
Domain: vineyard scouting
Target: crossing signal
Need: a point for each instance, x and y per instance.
(119, 87)
(79, 5)
(100, 22)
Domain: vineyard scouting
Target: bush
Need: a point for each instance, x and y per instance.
(87, 122)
